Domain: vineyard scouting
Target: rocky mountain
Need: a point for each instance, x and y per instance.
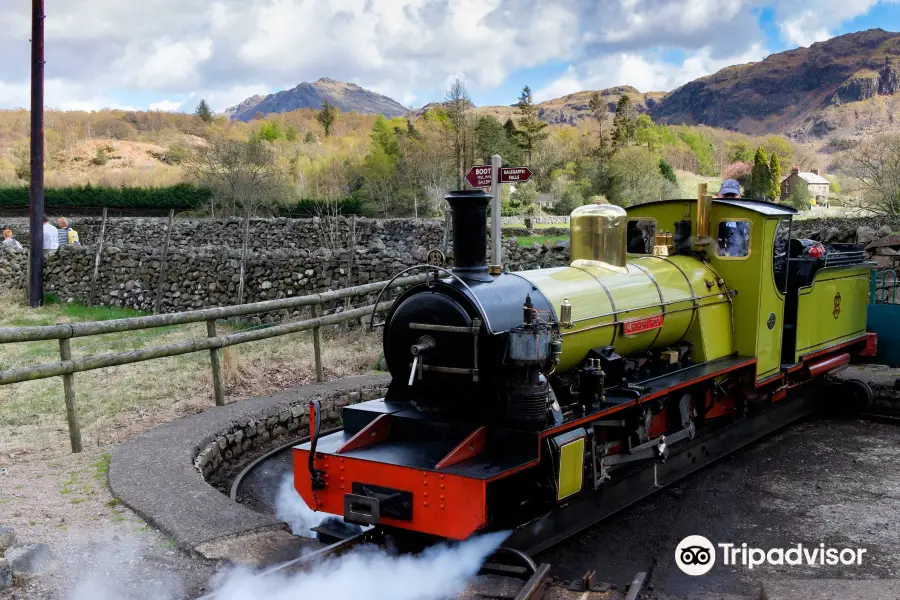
(849, 83)
(345, 96)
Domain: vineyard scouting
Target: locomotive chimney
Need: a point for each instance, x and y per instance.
(469, 221)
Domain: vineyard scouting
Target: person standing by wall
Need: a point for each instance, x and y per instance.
(67, 235)
(9, 241)
(51, 236)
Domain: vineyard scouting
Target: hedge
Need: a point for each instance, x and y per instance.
(182, 196)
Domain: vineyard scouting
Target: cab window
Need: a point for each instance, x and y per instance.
(733, 239)
(641, 235)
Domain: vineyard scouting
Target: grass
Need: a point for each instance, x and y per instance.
(687, 183)
(116, 402)
(527, 240)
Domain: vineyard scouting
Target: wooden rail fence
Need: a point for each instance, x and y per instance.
(213, 342)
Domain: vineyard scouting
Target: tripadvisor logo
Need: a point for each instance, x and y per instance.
(696, 555)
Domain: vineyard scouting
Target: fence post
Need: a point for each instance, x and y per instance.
(244, 257)
(351, 252)
(162, 265)
(317, 345)
(218, 384)
(97, 257)
(65, 353)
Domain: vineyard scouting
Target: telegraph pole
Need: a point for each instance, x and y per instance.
(36, 207)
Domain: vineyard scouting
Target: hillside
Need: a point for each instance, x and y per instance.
(570, 109)
(348, 97)
(847, 85)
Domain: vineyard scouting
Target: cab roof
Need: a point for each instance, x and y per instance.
(768, 209)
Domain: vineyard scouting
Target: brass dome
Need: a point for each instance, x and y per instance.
(598, 237)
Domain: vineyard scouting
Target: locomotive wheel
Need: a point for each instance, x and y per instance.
(849, 397)
(858, 395)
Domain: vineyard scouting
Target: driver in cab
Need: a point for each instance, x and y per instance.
(732, 235)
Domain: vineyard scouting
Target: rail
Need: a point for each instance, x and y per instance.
(883, 286)
(213, 342)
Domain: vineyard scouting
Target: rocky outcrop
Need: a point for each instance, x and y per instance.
(347, 97)
(790, 91)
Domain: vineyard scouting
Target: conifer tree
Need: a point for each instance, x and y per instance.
(326, 117)
(774, 177)
(205, 112)
(623, 122)
(760, 180)
(530, 130)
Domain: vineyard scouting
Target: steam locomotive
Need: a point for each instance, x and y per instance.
(542, 401)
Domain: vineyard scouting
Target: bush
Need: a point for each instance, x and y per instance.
(101, 157)
(308, 208)
(182, 196)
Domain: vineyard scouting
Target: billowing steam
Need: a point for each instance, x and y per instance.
(290, 508)
(370, 573)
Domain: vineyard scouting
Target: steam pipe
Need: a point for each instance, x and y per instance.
(704, 203)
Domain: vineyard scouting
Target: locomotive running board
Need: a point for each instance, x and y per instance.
(593, 507)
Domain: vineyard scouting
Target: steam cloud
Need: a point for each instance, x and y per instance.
(290, 508)
(439, 572)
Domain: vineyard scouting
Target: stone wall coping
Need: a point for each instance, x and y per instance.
(154, 472)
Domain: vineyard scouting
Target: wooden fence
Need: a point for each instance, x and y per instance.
(67, 366)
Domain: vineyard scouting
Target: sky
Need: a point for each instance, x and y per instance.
(168, 54)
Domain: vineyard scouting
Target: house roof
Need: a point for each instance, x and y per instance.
(810, 178)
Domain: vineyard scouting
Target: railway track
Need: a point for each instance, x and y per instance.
(507, 574)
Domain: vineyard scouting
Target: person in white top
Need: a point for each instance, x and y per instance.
(51, 236)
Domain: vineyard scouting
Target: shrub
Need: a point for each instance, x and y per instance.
(181, 196)
(101, 157)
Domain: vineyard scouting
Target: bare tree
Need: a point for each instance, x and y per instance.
(874, 168)
(243, 175)
(457, 104)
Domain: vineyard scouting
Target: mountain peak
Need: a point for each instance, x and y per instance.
(347, 97)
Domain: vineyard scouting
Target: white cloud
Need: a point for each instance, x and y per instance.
(166, 105)
(804, 23)
(644, 72)
(220, 100)
(408, 49)
(164, 64)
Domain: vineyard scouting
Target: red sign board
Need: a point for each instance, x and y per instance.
(639, 325)
(515, 174)
(479, 176)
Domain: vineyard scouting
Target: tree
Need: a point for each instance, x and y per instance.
(667, 171)
(799, 196)
(645, 133)
(291, 134)
(491, 138)
(385, 137)
(242, 175)
(270, 131)
(456, 105)
(873, 169)
(530, 130)
(310, 138)
(623, 122)
(760, 180)
(598, 110)
(326, 117)
(205, 112)
(774, 177)
(738, 151)
(636, 178)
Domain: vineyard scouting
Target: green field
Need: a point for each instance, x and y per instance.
(540, 239)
